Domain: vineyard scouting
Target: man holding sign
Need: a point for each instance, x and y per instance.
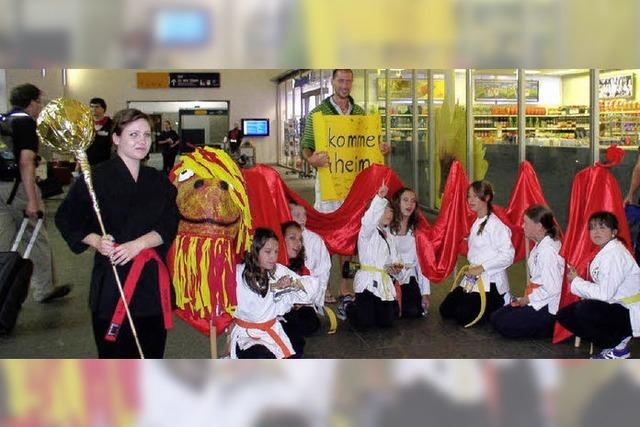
(349, 136)
(363, 148)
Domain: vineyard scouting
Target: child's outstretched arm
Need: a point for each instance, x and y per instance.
(375, 211)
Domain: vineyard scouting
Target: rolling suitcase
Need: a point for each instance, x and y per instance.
(15, 275)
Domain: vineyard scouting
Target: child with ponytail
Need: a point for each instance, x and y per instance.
(490, 254)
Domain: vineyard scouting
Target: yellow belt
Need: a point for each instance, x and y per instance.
(632, 299)
(483, 296)
(386, 279)
(333, 322)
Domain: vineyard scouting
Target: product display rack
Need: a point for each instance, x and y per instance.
(292, 144)
(622, 127)
(541, 129)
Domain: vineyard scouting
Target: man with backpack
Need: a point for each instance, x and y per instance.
(22, 196)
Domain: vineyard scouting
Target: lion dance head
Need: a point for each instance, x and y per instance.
(215, 221)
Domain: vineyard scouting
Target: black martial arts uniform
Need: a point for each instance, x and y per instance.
(129, 210)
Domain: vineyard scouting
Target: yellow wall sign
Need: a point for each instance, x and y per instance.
(352, 143)
(153, 80)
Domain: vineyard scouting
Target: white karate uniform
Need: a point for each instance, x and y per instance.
(375, 251)
(406, 246)
(318, 262)
(546, 268)
(615, 275)
(494, 251)
(256, 309)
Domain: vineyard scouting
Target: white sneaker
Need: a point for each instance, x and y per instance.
(613, 353)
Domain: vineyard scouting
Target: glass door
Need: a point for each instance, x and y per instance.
(400, 108)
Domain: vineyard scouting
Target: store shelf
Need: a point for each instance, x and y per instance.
(532, 115)
(406, 115)
(541, 129)
(620, 126)
(605, 113)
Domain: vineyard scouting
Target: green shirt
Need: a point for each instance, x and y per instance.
(327, 108)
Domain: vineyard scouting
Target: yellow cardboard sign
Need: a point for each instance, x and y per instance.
(352, 143)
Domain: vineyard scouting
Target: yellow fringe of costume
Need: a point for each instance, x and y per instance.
(192, 271)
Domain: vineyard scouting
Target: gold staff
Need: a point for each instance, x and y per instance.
(66, 125)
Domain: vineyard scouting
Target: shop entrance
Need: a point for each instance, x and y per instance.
(197, 122)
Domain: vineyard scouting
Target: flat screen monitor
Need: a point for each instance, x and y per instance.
(255, 127)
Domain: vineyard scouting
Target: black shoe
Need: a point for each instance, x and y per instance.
(56, 293)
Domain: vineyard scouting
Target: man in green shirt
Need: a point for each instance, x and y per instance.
(340, 103)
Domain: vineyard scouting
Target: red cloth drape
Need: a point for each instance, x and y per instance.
(526, 192)
(594, 189)
(269, 195)
(267, 202)
(438, 245)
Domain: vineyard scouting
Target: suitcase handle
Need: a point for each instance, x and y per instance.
(40, 214)
(34, 236)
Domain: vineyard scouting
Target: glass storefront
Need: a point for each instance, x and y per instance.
(474, 116)
(558, 131)
(401, 127)
(423, 152)
(450, 126)
(619, 113)
(495, 131)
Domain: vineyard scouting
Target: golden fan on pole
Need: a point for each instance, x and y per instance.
(66, 125)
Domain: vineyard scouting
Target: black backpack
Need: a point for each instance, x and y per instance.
(8, 163)
(9, 169)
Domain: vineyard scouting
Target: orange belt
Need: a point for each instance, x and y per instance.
(528, 290)
(268, 328)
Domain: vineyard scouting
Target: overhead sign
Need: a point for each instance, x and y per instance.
(153, 80)
(504, 90)
(194, 80)
(177, 80)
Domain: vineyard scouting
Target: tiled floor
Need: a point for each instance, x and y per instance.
(63, 329)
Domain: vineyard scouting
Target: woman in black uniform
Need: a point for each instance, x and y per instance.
(138, 207)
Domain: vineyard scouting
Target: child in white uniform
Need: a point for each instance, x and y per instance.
(534, 315)
(375, 302)
(415, 287)
(609, 313)
(302, 319)
(490, 253)
(265, 291)
(317, 260)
